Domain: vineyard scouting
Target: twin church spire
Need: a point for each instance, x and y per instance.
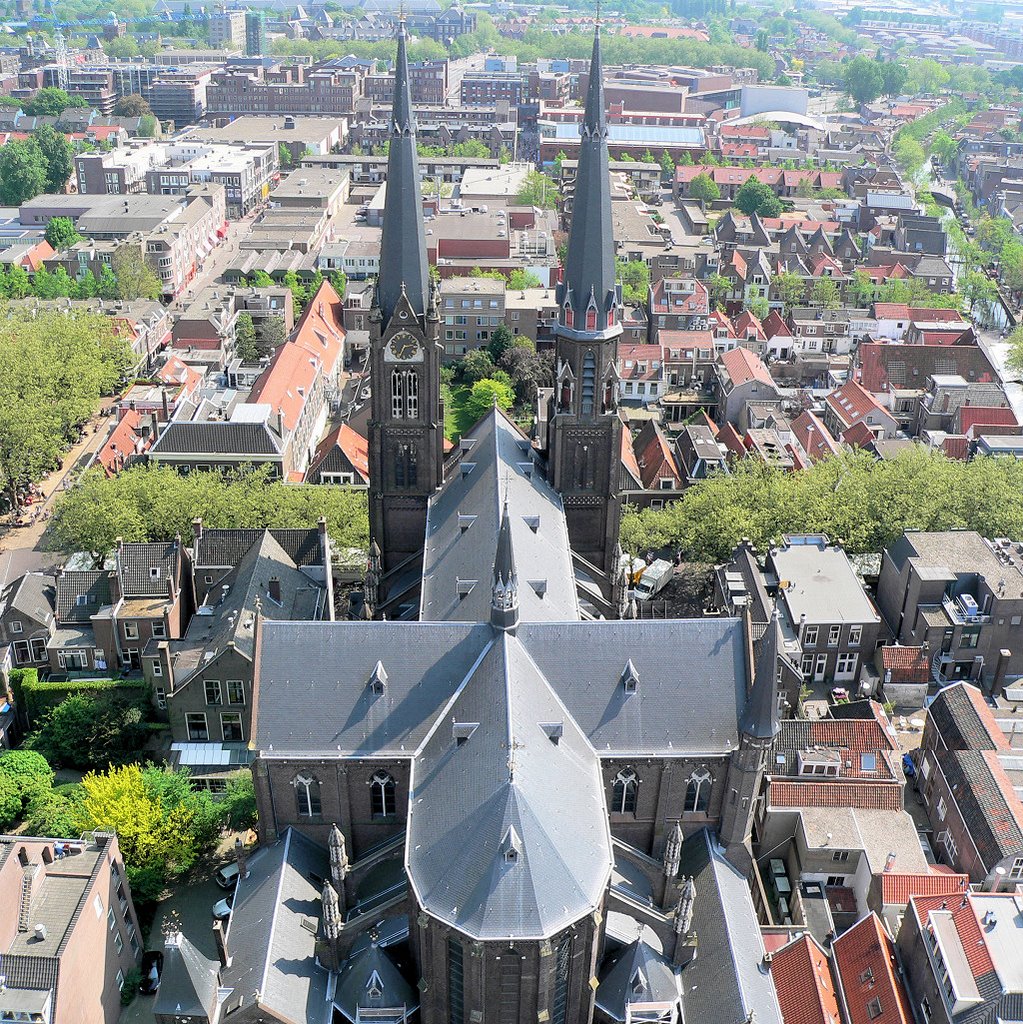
(403, 262)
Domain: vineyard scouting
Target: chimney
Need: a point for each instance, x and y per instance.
(274, 589)
(197, 529)
(328, 570)
(889, 862)
(239, 858)
(1001, 670)
(166, 407)
(221, 940)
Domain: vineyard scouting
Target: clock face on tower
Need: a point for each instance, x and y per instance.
(403, 347)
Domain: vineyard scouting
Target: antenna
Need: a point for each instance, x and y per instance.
(62, 60)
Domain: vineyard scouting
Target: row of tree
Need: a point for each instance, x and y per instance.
(857, 500)
(54, 367)
(153, 503)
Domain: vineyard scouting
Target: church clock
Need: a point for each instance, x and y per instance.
(403, 347)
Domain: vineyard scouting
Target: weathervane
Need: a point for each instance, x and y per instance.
(401, 12)
(598, 13)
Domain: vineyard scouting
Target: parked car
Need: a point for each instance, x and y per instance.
(227, 876)
(908, 767)
(151, 969)
(222, 908)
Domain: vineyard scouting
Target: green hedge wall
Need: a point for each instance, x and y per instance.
(35, 698)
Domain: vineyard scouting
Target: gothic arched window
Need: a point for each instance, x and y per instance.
(307, 795)
(411, 395)
(591, 319)
(698, 793)
(569, 316)
(406, 469)
(397, 393)
(381, 794)
(623, 792)
(589, 383)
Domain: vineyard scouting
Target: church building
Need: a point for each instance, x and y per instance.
(517, 806)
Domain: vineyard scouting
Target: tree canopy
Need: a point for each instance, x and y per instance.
(51, 102)
(757, 197)
(704, 189)
(61, 233)
(486, 394)
(855, 499)
(538, 190)
(154, 502)
(54, 366)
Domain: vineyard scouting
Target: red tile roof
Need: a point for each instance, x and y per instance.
(880, 796)
(906, 664)
(319, 332)
(352, 443)
(851, 403)
(656, 462)
(694, 303)
(898, 889)
(126, 439)
(814, 438)
(859, 435)
(638, 354)
(982, 415)
(804, 983)
(774, 325)
(731, 439)
(864, 958)
(286, 383)
(884, 367)
(956, 446)
(743, 366)
(628, 457)
(971, 935)
(891, 310)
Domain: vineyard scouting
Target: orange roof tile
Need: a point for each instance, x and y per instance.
(864, 959)
(869, 795)
(319, 332)
(898, 889)
(743, 366)
(804, 983)
(906, 664)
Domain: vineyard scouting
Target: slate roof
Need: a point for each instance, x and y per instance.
(367, 958)
(725, 981)
(92, 584)
(964, 721)
(508, 834)
(273, 953)
(217, 438)
(672, 712)
(462, 525)
(32, 595)
(990, 809)
(637, 974)
(403, 241)
(135, 562)
(188, 986)
(220, 548)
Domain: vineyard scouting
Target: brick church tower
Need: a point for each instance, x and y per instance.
(584, 447)
(406, 430)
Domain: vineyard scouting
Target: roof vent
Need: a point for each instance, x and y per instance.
(465, 587)
(40, 932)
(467, 468)
(461, 731)
(378, 680)
(465, 521)
(526, 469)
(553, 731)
(630, 677)
(539, 587)
(533, 522)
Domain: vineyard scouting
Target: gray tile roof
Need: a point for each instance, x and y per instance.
(91, 584)
(462, 528)
(989, 807)
(305, 664)
(136, 562)
(223, 548)
(508, 833)
(352, 991)
(956, 717)
(273, 953)
(32, 595)
(637, 974)
(188, 986)
(725, 981)
(217, 438)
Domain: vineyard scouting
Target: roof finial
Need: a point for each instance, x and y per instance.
(401, 13)
(598, 15)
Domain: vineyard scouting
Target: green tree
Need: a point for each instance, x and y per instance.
(106, 283)
(893, 78)
(477, 365)
(88, 731)
(135, 277)
(24, 774)
(148, 127)
(61, 233)
(132, 105)
(122, 48)
(10, 803)
(538, 190)
(863, 79)
(22, 172)
(944, 147)
(861, 288)
(1014, 355)
(273, 333)
(245, 338)
(501, 339)
(667, 167)
(977, 290)
(635, 278)
(825, 293)
(704, 189)
(58, 157)
(718, 287)
(757, 197)
(487, 393)
(519, 280)
(239, 802)
(759, 307)
(51, 102)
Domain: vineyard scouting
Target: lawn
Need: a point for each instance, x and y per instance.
(456, 414)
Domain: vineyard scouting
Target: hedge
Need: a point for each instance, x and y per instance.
(35, 698)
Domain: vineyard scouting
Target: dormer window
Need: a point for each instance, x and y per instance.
(154, 572)
(569, 315)
(630, 678)
(378, 680)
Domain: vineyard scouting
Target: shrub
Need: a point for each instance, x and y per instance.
(10, 802)
(239, 802)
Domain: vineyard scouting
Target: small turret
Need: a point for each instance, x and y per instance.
(504, 605)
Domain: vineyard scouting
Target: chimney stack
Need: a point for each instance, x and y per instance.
(1001, 670)
(240, 860)
(221, 940)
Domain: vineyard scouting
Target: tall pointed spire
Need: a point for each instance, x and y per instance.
(403, 263)
(589, 282)
(504, 605)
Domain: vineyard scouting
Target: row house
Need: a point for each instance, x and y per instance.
(653, 475)
(742, 378)
(678, 304)
(641, 373)
(689, 359)
(831, 331)
(852, 404)
(698, 454)
(962, 596)
(971, 802)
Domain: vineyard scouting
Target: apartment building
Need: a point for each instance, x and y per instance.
(472, 308)
(68, 929)
(485, 89)
(428, 81)
(962, 596)
(283, 90)
(179, 94)
(227, 29)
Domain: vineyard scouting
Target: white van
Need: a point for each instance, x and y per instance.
(227, 876)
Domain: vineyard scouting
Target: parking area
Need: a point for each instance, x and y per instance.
(189, 910)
